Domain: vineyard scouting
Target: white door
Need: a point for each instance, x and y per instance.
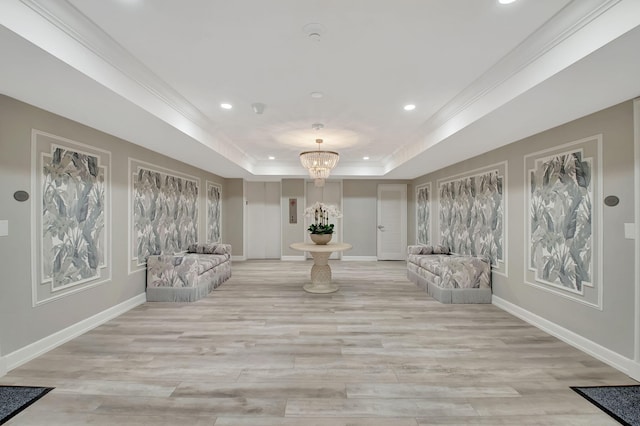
(392, 221)
(263, 220)
(330, 193)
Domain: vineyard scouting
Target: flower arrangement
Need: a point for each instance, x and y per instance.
(320, 213)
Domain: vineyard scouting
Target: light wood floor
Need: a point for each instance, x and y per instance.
(261, 351)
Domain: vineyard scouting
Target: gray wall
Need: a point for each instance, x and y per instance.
(360, 209)
(613, 326)
(20, 323)
(359, 201)
(233, 215)
(292, 232)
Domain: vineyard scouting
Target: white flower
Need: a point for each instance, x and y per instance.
(331, 209)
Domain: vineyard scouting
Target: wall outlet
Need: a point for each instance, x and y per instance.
(4, 228)
(630, 231)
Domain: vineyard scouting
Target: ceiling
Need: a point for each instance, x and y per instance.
(481, 74)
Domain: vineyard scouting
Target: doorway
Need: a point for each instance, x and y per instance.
(392, 221)
(263, 220)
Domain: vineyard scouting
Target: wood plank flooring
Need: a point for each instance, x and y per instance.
(261, 351)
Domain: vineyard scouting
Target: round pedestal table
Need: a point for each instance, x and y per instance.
(321, 271)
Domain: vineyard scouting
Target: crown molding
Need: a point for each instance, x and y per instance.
(57, 27)
(169, 106)
(509, 78)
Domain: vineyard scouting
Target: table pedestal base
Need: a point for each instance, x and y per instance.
(321, 274)
(321, 271)
(321, 288)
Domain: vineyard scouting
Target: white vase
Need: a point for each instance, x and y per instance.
(321, 238)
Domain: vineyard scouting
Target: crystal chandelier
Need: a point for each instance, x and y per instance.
(319, 163)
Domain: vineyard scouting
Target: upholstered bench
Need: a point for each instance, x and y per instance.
(449, 278)
(190, 276)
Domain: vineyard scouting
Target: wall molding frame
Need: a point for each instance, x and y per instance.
(131, 256)
(429, 188)
(44, 345)
(207, 224)
(597, 351)
(597, 225)
(36, 224)
(502, 265)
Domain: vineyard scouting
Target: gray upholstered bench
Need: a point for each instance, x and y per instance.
(449, 278)
(190, 276)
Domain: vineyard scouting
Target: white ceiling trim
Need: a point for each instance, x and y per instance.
(573, 33)
(61, 30)
(572, 18)
(576, 31)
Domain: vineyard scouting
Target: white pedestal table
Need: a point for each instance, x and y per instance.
(321, 271)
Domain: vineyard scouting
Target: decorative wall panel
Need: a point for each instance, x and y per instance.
(423, 214)
(164, 212)
(214, 212)
(72, 183)
(472, 212)
(561, 224)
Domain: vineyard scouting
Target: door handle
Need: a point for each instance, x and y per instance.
(381, 227)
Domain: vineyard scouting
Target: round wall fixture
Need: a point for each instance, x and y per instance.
(611, 200)
(21, 195)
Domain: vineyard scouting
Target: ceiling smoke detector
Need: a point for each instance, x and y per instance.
(258, 107)
(314, 31)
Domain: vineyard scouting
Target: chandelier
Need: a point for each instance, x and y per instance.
(319, 163)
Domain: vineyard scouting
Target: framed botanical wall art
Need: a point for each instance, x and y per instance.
(214, 212)
(472, 210)
(423, 214)
(563, 222)
(72, 216)
(163, 211)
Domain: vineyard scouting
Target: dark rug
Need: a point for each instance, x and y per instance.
(14, 399)
(620, 402)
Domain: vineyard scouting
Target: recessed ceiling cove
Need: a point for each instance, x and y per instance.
(156, 72)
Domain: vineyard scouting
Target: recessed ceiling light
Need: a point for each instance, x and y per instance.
(317, 95)
(226, 106)
(271, 157)
(365, 158)
(409, 107)
(506, 1)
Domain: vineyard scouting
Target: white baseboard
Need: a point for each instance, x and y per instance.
(634, 370)
(238, 258)
(294, 258)
(3, 366)
(605, 355)
(23, 355)
(360, 258)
